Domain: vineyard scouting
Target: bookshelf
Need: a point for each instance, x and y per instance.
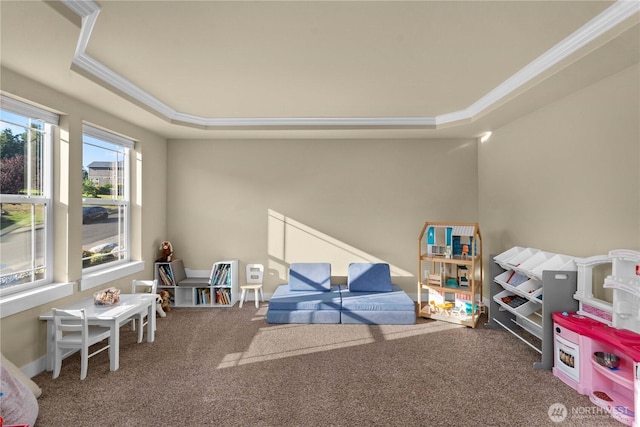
(224, 283)
(220, 289)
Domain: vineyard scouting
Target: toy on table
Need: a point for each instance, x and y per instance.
(106, 297)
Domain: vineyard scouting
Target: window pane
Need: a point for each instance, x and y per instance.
(34, 165)
(103, 236)
(22, 243)
(24, 199)
(21, 156)
(105, 209)
(103, 171)
(12, 156)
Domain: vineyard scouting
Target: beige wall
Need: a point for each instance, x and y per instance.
(563, 179)
(566, 178)
(22, 336)
(338, 201)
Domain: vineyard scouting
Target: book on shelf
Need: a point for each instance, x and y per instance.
(220, 274)
(223, 296)
(169, 271)
(165, 278)
(214, 273)
(203, 296)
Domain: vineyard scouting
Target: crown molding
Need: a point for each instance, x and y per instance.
(599, 25)
(82, 8)
(89, 10)
(286, 122)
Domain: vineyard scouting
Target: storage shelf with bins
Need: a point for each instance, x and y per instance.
(450, 265)
(199, 291)
(527, 286)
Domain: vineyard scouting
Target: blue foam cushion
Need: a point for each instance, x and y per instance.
(369, 277)
(310, 276)
(378, 317)
(286, 299)
(395, 300)
(303, 316)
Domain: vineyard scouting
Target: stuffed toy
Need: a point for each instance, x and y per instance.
(166, 252)
(162, 305)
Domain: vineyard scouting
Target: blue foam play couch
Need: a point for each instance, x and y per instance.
(368, 298)
(371, 298)
(307, 298)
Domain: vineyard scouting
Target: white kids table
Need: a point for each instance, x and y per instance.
(110, 316)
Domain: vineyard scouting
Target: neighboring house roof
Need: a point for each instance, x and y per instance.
(103, 165)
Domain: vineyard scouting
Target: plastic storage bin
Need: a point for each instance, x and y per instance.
(502, 258)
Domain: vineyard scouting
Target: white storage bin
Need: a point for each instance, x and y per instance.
(535, 318)
(531, 289)
(498, 298)
(527, 266)
(527, 309)
(529, 324)
(502, 258)
(557, 262)
(510, 280)
(521, 257)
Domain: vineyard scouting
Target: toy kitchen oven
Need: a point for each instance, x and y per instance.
(597, 349)
(566, 357)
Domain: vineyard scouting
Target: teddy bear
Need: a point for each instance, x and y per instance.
(166, 252)
(162, 306)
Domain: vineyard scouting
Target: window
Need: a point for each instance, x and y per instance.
(26, 220)
(105, 192)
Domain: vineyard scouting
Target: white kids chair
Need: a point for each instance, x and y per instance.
(255, 273)
(73, 333)
(147, 287)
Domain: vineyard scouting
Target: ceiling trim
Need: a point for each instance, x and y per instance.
(89, 10)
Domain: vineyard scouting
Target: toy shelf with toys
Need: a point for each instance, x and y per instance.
(450, 265)
(220, 289)
(528, 286)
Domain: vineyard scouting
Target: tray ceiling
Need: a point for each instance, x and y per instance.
(406, 68)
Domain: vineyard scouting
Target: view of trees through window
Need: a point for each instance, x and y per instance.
(24, 199)
(26, 217)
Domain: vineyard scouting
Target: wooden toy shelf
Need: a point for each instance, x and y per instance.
(450, 268)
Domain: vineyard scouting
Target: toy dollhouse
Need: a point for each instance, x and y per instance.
(450, 265)
(597, 348)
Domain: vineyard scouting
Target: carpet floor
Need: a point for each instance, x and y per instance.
(228, 367)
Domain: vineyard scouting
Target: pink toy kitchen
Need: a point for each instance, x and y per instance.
(597, 348)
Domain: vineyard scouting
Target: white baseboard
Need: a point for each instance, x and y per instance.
(34, 368)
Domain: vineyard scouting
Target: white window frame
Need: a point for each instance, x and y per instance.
(50, 120)
(29, 295)
(99, 274)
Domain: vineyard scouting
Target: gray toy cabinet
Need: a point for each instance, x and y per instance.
(527, 285)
